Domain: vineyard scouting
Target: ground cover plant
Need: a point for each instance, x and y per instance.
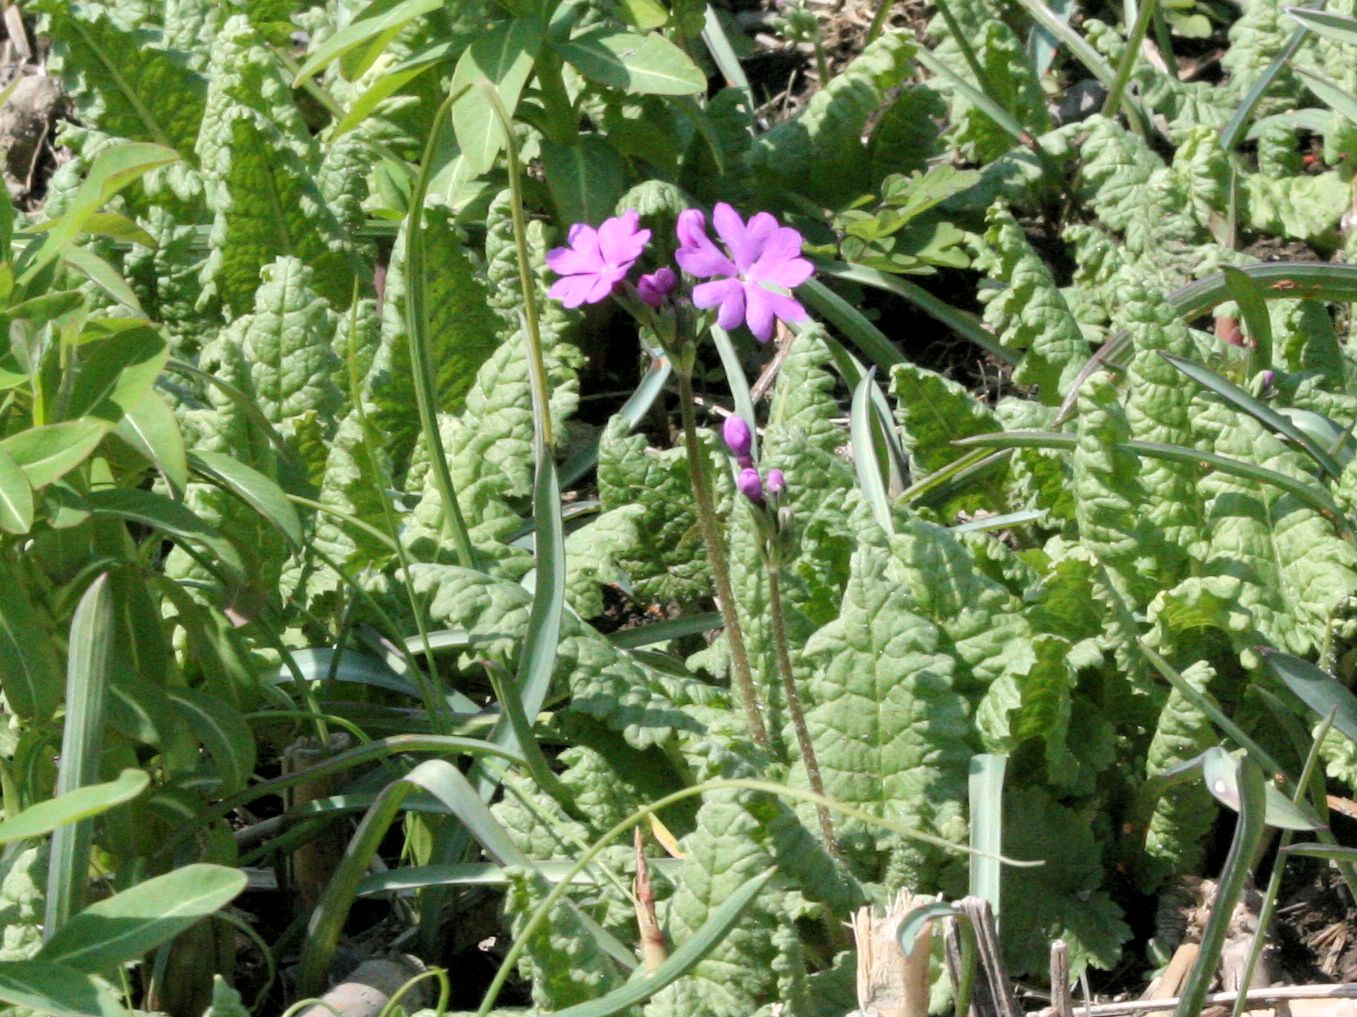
(519, 493)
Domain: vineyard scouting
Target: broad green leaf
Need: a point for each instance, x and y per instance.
(82, 803)
(89, 674)
(225, 735)
(124, 927)
(29, 672)
(151, 427)
(16, 497)
(170, 517)
(1317, 689)
(48, 988)
(502, 56)
(646, 64)
(585, 179)
(1027, 311)
(889, 727)
(113, 169)
(373, 32)
(260, 492)
(1183, 815)
(49, 452)
(118, 373)
(1221, 775)
(123, 80)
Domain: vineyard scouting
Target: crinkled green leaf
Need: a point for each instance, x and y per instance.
(1027, 312)
(1184, 814)
(889, 727)
(123, 79)
(1062, 899)
(820, 153)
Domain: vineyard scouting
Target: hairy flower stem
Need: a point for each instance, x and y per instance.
(716, 556)
(798, 715)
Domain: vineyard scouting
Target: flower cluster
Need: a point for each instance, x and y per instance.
(739, 439)
(749, 281)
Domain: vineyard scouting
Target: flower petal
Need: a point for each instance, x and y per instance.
(620, 241)
(568, 261)
(759, 311)
(703, 263)
(709, 294)
(732, 308)
(785, 307)
(572, 290)
(734, 234)
(781, 263)
(603, 285)
(762, 228)
(692, 228)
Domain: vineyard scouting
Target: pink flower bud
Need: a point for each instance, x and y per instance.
(653, 288)
(750, 485)
(777, 483)
(738, 437)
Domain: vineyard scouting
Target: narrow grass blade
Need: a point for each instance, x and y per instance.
(1248, 835)
(986, 790)
(1077, 45)
(1316, 497)
(1327, 24)
(89, 673)
(261, 493)
(681, 961)
(120, 929)
(1284, 280)
(1002, 118)
(674, 628)
(963, 324)
(1328, 852)
(1211, 711)
(1234, 127)
(865, 458)
(869, 339)
(1253, 309)
(1312, 782)
(170, 517)
(371, 32)
(43, 817)
(1255, 408)
(1220, 772)
(1317, 689)
(421, 355)
(723, 54)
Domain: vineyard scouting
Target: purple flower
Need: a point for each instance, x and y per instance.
(749, 283)
(596, 260)
(777, 483)
(750, 485)
(655, 287)
(738, 437)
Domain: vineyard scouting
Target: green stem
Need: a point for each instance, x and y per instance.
(798, 715)
(716, 556)
(537, 365)
(1128, 58)
(421, 356)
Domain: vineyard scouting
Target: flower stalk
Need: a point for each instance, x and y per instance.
(794, 709)
(716, 556)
